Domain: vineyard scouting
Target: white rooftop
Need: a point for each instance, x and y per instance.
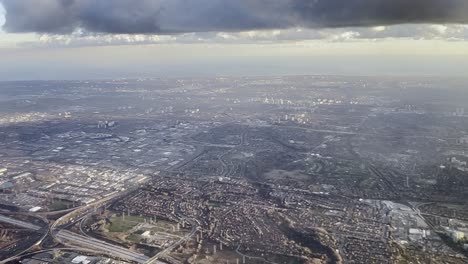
(35, 209)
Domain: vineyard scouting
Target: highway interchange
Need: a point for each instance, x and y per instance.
(58, 230)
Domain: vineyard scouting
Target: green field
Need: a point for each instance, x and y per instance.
(117, 224)
(134, 238)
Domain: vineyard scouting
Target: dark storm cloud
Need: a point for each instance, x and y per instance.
(181, 16)
(344, 13)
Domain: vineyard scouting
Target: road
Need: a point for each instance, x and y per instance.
(360, 133)
(19, 223)
(108, 249)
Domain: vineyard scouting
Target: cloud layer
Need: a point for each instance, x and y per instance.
(2, 16)
(455, 32)
(188, 16)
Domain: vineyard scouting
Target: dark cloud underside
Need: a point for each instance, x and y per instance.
(181, 16)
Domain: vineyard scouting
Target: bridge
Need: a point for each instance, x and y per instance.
(19, 223)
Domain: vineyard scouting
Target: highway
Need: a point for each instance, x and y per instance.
(106, 248)
(19, 223)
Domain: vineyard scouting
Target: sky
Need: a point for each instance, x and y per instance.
(95, 39)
